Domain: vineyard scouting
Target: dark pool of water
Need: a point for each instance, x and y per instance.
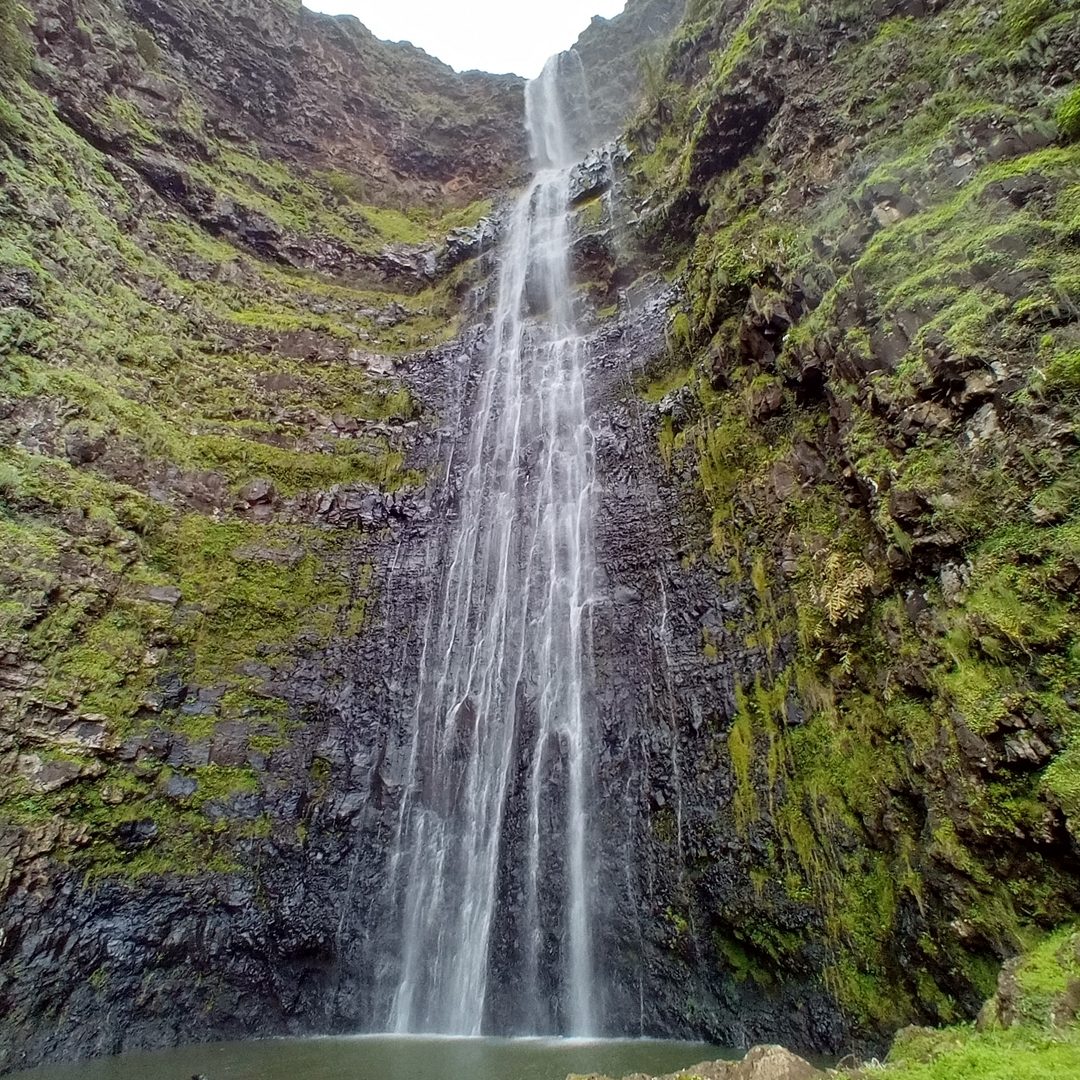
(391, 1057)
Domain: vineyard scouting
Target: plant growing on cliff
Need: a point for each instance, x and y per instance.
(1068, 115)
(842, 590)
(147, 47)
(14, 51)
(1023, 17)
(11, 123)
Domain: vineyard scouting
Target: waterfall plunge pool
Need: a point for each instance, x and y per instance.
(394, 1057)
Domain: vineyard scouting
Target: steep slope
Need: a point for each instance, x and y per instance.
(616, 55)
(870, 399)
(208, 284)
(144, 79)
(236, 268)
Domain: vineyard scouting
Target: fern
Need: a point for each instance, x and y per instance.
(842, 593)
(1068, 115)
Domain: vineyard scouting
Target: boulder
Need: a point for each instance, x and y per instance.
(180, 787)
(591, 179)
(773, 1063)
(467, 243)
(136, 835)
(260, 490)
(766, 402)
(169, 595)
(84, 443)
(760, 1063)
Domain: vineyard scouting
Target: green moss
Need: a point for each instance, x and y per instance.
(395, 227)
(658, 388)
(466, 217)
(1062, 782)
(248, 606)
(1014, 1055)
(14, 50)
(147, 47)
(122, 117)
(137, 339)
(219, 783)
(1045, 974)
(1043, 1039)
(1023, 17)
(1068, 115)
(743, 966)
(678, 924)
(591, 214)
(12, 126)
(741, 748)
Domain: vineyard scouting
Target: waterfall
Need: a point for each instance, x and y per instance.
(503, 743)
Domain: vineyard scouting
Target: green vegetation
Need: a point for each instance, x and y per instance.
(1022, 17)
(152, 373)
(1068, 115)
(871, 339)
(960, 1053)
(14, 51)
(147, 47)
(1038, 1038)
(878, 342)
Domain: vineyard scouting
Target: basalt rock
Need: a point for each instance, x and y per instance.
(305, 87)
(469, 243)
(609, 51)
(733, 124)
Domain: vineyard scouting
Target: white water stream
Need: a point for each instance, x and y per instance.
(503, 711)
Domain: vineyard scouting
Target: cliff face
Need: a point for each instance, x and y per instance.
(871, 399)
(209, 282)
(298, 88)
(619, 56)
(829, 288)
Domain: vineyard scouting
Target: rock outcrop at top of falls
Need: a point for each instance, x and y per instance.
(825, 290)
(616, 54)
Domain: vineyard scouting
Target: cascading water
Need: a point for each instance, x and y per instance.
(503, 715)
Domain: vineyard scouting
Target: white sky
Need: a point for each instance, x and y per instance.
(490, 35)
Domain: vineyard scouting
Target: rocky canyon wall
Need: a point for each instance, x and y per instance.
(243, 284)
(870, 400)
(225, 230)
(828, 286)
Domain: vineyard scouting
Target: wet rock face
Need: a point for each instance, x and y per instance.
(611, 52)
(283, 932)
(662, 706)
(838, 423)
(666, 671)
